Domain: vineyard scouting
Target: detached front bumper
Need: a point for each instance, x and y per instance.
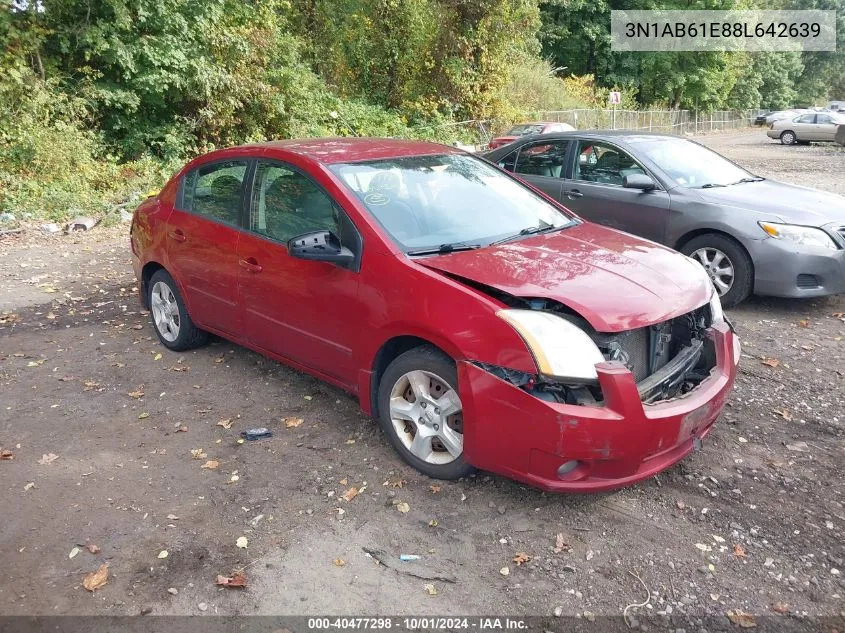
(570, 448)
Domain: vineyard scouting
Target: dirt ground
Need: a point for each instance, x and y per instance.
(754, 521)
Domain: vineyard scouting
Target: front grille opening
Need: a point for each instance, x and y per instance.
(806, 282)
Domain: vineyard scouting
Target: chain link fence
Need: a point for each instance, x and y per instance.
(681, 122)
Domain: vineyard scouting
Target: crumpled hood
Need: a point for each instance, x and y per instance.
(614, 280)
(791, 203)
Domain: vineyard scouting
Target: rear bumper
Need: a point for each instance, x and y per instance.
(781, 270)
(511, 432)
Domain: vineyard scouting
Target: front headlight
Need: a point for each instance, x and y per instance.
(716, 313)
(560, 348)
(803, 235)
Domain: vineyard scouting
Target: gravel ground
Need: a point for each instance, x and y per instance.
(753, 522)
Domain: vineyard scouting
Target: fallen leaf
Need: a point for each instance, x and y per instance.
(90, 385)
(6, 454)
(143, 415)
(780, 607)
(434, 489)
(163, 554)
(343, 481)
(804, 323)
(771, 362)
(94, 549)
(681, 505)
(226, 424)
(395, 483)
(739, 551)
(561, 544)
(74, 552)
(136, 394)
(741, 619)
(505, 571)
(430, 589)
(242, 542)
(179, 368)
(29, 486)
(211, 464)
(236, 580)
(433, 523)
(48, 458)
(521, 558)
(339, 562)
(784, 413)
(308, 397)
(198, 453)
(403, 507)
(292, 423)
(96, 579)
(157, 357)
(703, 547)
(350, 441)
(172, 517)
(182, 429)
(350, 494)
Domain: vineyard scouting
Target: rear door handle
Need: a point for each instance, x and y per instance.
(573, 193)
(251, 264)
(177, 235)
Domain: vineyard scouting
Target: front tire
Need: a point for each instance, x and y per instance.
(788, 137)
(726, 263)
(421, 413)
(171, 320)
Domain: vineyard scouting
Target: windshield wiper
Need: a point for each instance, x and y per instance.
(446, 248)
(543, 227)
(748, 179)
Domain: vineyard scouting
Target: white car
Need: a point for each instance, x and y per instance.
(812, 126)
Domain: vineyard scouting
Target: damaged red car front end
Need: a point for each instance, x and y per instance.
(572, 448)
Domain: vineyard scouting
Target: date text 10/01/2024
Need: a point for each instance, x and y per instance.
(717, 30)
(418, 623)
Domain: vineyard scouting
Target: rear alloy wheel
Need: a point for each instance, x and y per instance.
(421, 412)
(788, 137)
(171, 320)
(726, 263)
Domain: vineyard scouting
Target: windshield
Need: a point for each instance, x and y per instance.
(425, 202)
(691, 165)
(525, 128)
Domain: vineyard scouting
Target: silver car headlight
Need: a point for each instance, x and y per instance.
(803, 235)
(560, 348)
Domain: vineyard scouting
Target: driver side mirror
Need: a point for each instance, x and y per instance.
(639, 181)
(321, 246)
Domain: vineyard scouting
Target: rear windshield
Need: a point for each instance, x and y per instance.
(526, 128)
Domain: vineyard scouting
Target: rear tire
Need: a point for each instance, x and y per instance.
(421, 414)
(788, 137)
(707, 247)
(171, 320)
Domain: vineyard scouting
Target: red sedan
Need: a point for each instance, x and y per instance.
(525, 129)
(482, 324)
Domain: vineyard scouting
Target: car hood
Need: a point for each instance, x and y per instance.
(790, 203)
(614, 280)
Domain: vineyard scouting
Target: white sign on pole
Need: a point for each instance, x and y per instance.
(614, 97)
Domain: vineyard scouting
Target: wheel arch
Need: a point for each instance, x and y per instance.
(387, 353)
(691, 235)
(147, 272)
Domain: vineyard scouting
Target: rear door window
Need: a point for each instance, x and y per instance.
(215, 191)
(542, 159)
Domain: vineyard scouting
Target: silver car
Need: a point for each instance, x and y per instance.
(749, 233)
(811, 126)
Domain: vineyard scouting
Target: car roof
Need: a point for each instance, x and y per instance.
(352, 149)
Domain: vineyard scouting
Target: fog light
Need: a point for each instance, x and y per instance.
(567, 467)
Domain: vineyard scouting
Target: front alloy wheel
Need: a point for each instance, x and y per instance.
(718, 267)
(420, 411)
(426, 416)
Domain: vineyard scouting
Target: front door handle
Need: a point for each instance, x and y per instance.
(573, 193)
(251, 264)
(177, 235)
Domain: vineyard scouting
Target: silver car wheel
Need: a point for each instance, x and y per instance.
(787, 138)
(426, 413)
(718, 266)
(165, 311)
